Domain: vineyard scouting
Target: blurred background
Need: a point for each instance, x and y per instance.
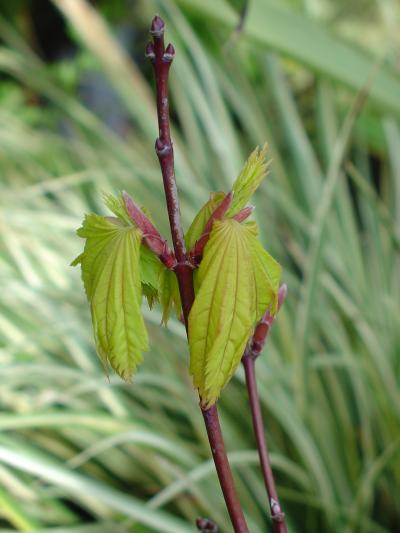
(319, 80)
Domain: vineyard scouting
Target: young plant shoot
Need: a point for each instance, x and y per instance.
(236, 280)
(218, 278)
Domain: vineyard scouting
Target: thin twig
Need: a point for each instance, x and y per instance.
(161, 58)
(249, 358)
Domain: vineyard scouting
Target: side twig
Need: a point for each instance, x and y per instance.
(161, 58)
(249, 358)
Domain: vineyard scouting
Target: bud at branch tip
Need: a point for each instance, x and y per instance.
(157, 27)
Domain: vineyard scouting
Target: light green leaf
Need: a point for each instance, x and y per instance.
(267, 275)
(111, 276)
(249, 179)
(169, 295)
(197, 226)
(223, 313)
(150, 271)
(150, 266)
(116, 204)
(252, 226)
(238, 281)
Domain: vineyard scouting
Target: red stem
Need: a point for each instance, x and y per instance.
(253, 350)
(161, 59)
(216, 440)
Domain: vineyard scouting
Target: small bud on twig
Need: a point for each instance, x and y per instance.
(157, 27)
(277, 515)
(162, 149)
(150, 54)
(169, 54)
(205, 525)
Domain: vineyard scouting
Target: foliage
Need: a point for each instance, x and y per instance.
(199, 222)
(238, 281)
(70, 442)
(111, 276)
(248, 180)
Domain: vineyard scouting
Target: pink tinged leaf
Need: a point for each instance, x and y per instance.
(139, 218)
(218, 214)
(244, 213)
(197, 251)
(151, 235)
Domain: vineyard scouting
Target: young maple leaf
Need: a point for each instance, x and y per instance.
(110, 266)
(237, 281)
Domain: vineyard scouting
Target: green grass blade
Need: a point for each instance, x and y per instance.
(296, 36)
(79, 485)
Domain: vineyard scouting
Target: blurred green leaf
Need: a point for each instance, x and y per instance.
(296, 36)
(81, 486)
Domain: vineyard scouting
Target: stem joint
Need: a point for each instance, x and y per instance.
(163, 149)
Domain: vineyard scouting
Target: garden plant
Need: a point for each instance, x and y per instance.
(221, 282)
(319, 82)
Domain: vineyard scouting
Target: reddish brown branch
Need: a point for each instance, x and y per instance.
(215, 438)
(253, 350)
(161, 59)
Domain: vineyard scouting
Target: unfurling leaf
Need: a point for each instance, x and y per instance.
(150, 265)
(237, 282)
(150, 270)
(219, 212)
(150, 234)
(267, 275)
(159, 284)
(111, 276)
(199, 223)
(130, 213)
(252, 226)
(117, 206)
(169, 295)
(223, 314)
(244, 213)
(249, 179)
